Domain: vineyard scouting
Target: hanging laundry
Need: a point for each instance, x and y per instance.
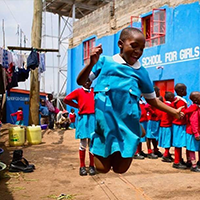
(32, 61)
(42, 62)
(25, 56)
(5, 59)
(1, 56)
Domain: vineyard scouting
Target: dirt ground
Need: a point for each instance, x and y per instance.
(57, 172)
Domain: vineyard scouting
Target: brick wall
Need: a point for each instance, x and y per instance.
(113, 17)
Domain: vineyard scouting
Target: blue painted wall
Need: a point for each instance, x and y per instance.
(13, 102)
(179, 55)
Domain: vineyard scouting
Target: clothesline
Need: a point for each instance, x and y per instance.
(15, 67)
(31, 48)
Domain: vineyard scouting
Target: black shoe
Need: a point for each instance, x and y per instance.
(195, 169)
(27, 163)
(18, 156)
(92, 171)
(159, 154)
(179, 166)
(198, 164)
(138, 156)
(183, 162)
(170, 156)
(83, 171)
(152, 156)
(19, 166)
(166, 159)
(188, 164)
(143, 154)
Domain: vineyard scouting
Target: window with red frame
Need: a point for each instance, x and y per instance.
(87, 49)
(154, 26)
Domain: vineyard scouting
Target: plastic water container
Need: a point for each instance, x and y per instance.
(44, 126)
(16, 136)
(34, 134)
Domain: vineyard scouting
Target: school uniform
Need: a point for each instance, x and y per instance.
(72, 117)
(153, 123)
(143, 118)
(179, 135)
(117, 111)
(165, 130)
(179, 126)
(85, 103)
(192, 127)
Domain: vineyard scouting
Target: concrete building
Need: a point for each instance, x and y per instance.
(171, 28)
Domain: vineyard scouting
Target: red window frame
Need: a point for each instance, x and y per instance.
(87, 48)
(154, 27)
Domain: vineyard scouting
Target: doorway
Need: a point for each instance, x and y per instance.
(164, 86)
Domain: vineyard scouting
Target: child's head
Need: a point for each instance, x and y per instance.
(169, 96)
(65, 113)
(50, 97)
(88, 84)
(195, 97)
(72, 110)
(181, 89)
(42, 101)
(20, 108)
(157, 91)
(131, 44)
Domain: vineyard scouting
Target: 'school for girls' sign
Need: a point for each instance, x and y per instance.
(172, 57)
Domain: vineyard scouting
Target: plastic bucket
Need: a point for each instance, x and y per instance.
(16, 136)
(34, 134)
(44, 126)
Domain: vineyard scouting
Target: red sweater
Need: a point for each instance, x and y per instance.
(193, 120)
(81, 99)
(19, 115)
(144, 116)
(72, 117)
(154, 113)
(166, 119)
(176, 105)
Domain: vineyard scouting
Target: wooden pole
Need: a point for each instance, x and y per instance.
(34, 81)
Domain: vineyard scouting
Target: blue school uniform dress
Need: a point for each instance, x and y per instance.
(85, 126)
(153, 123)
(179, 139)
(165, 130)
(83, 99)
(117, 112)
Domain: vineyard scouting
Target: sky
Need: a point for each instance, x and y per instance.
(19, 13)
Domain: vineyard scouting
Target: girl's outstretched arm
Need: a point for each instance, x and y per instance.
(161, 106)
(94, 57)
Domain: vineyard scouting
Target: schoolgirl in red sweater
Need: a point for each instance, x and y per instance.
(179, 128)
(165, 130)
(193, 129)
(83, 99)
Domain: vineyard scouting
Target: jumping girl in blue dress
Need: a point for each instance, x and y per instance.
(121, 80)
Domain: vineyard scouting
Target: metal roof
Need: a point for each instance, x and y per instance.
(82, 7)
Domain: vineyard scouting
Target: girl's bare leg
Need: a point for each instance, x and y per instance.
(102, 164)
(120, 165)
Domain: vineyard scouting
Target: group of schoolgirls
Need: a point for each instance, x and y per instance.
(165, 131)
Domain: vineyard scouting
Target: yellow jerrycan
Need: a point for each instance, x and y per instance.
(16, 136)
(34, 134)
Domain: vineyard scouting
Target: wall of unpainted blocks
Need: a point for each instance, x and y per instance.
(114, 16)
